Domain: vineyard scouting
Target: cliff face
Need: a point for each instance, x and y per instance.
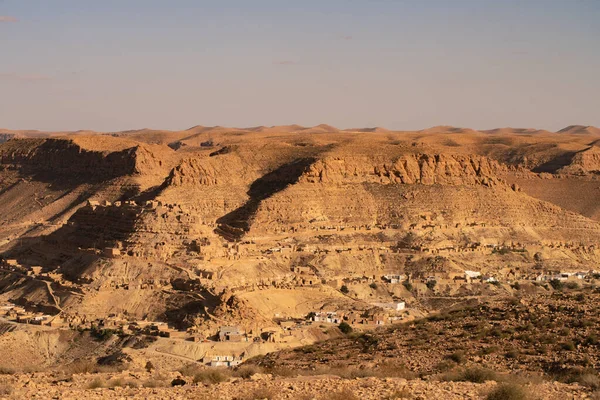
(425, 169)
(65, 158)
(202, 172)
(583, 162)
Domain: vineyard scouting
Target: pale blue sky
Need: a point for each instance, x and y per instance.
(128, 64)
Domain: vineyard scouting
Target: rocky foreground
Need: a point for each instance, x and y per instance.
(259, 386)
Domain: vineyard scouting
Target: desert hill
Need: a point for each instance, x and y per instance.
(258, 228)
(580, 130)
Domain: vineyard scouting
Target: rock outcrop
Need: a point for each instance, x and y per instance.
(425, 169)
(65, 158)
(584, 162)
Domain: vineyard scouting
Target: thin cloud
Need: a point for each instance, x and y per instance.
(347, 37)
(24, 77)
(8, 18)
(285, 62)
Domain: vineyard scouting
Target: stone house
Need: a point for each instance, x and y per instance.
(231, 334)
(394, 278)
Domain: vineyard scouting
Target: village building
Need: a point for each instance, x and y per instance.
(271, 336)
(330, 317)
(287, 325)
(488, 279)
(470, 275)
(231, 334)
(394, 278)
(222, 361)
(55, 322)
(395, 306)
(111, 252)
(303, 270)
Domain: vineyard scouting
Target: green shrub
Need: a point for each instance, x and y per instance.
(407, 285)
(155, 383)
(569, 346)
(556, 284)
(458, 357)
(102, 334)
(444, 366)
(507, 391)
(478, 375)
(190, 369)
(246, 371)
(474, 374)
(211, 376)
(592, 339)
(591, 380)
(6, 371)
(572, 285)
(96, 384)
(584, 376)
(345, 328)
(489, 350)
(120, 382)
(511, 354)
(344, 289)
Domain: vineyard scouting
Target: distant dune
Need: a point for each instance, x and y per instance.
(376, 129)
(580, 130)
(276, 128)
(162, 136)
(517, 131)
(447, 129)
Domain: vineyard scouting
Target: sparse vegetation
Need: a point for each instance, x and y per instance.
(569, 346)
(102, 334)
(190, 369)
(212, 376)
(345, 328)
(556, 284)
(572, 285)
(507, 391)
(7, 371)
(246, 371)
(471, 374)
(344, 394)
(97, 383)
(344, 289)
(458, 357)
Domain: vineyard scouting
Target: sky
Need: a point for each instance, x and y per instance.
(115, 65)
